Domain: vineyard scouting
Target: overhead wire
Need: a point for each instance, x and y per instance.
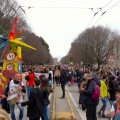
(97, 13)
(28, 20)
(87, 32)
(29, 7)
(92, 8)
(105, 12)
(27, 17)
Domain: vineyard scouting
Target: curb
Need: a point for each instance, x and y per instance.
(71, 110)
(62, 115)
(82, 114)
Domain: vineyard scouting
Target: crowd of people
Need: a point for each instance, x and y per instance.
(38, 91)
(104, 82)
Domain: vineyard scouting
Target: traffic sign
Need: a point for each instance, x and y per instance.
(111, 58)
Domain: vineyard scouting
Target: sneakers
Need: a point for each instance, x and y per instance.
(99, 114)
(104, 116)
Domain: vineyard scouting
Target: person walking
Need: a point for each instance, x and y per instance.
(30, 81)
(63, 81)
(104, 95)
(57, 74)
(50, 77)
(35, 102)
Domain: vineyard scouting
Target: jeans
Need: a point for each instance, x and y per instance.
(57, 80)
(104, 101)
(63, 89)
(91, 112)
(50, 83)
(111, 102)
(29, 88)
(45, 112)
(12, 108)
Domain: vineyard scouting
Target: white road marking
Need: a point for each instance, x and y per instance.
(81, 113)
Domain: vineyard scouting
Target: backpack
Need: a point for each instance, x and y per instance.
(27, 77)
(96, 92)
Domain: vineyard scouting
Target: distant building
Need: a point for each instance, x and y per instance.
(55, 61)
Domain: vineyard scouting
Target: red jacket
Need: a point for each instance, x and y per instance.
(31, 81)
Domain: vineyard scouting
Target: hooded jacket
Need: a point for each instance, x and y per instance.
(89, 91)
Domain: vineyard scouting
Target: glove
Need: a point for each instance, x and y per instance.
(23, 104)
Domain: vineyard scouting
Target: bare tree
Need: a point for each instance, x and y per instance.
(99, 45)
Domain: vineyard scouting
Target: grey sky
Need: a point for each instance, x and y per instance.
(60, 26)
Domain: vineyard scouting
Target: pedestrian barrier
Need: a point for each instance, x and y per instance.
(62, 115)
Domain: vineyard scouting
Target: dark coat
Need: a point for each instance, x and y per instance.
(45, 97)
(6, 89)
(79, 75)
(112, 90)
(81, 94)
(68, 77)
(35, 103)
(89, 91)
(63, 76)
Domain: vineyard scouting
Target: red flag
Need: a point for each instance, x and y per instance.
(13, 29)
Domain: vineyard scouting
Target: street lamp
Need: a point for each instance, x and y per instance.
(86, 50)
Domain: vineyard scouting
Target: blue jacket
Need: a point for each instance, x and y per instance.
(89, 90)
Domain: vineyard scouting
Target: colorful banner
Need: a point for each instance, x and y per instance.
(12, 62)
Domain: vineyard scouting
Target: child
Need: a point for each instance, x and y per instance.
(115, 110)
(35, 102)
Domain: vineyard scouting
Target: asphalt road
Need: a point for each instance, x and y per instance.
(74, 95)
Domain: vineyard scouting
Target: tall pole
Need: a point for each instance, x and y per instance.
(86, 50)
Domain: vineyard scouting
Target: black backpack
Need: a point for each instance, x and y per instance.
(27, 77)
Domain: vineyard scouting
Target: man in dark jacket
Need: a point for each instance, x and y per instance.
(5, 104)
(35, 102)
(79, 74)
(63, 81)
(91, 104)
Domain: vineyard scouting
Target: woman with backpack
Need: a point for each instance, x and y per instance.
(88, 99)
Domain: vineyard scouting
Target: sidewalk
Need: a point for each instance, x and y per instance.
(62, 109)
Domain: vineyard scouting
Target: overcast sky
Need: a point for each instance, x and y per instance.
(62, 23)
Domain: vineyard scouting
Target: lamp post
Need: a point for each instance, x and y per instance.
(86, 50)
(71, 58)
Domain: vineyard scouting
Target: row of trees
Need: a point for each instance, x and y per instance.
(9, 9)
(93, 46)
